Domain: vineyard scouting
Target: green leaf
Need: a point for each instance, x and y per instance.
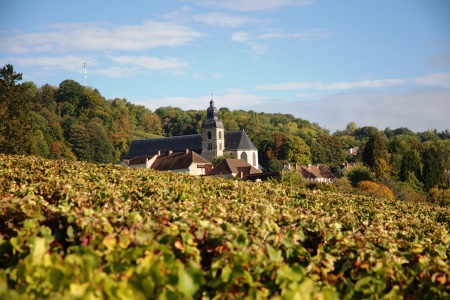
(274, 255)
(186, 284)
(39, 248)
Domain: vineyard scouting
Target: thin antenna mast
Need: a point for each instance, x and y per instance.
(85, 77)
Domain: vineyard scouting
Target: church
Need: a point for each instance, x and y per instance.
(212, 142)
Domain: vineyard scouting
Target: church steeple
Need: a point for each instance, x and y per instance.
(213, 137)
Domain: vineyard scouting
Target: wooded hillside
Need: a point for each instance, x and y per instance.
(77, 123)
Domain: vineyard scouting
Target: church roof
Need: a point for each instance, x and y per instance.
(234, 140)
(238, 140)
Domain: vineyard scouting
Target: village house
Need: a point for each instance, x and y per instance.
(177, 162)
(213, 142)
(230, 167)
(317, 173)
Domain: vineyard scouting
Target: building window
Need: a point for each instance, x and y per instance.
(254, 159)
(220, 146)
(209, 135)
(220, 135)
(210, 146)
(244, 156)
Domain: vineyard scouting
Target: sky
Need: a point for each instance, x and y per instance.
(378, 63)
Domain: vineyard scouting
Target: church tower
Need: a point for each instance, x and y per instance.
(213, 134)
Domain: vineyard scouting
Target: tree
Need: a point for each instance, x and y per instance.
(410, 164)
(373, 150)
(328, 150)
(70, 91)
(288, 148)
(432, 171)
(15, 126)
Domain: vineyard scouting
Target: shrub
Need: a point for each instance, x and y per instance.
(439, 196)
(376, 190)
(359, 173)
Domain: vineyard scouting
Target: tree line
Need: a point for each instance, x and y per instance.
(74, 122)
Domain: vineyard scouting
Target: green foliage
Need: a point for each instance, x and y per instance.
(359, 173)
(15, 128)
(328, 150)
(373, 150)
(433, 170)
(77, 230)
(70, 121)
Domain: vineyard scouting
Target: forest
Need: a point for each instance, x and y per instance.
(73, 122)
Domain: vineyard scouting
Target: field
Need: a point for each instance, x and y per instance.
(74, 230)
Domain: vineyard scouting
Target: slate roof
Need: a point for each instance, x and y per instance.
(233, 166)
(234, 140)
(177, 160)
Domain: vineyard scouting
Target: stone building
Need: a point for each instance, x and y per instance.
(213, 142)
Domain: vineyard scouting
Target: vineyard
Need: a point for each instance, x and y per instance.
(75, 230)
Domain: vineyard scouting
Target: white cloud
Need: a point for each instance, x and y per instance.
(150, 63)
(68, 63)
(101, 37)
(224, 20)
(438, 79)
(419, 109)
(254, 40)
(233, 99)
(114, 66)
(255, 5)
(315, 85)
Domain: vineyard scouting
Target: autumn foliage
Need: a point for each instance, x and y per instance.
(374, 189)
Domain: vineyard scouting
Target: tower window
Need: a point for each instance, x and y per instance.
(210, 146)
(209, 135)
(220, 134)
(254, 159)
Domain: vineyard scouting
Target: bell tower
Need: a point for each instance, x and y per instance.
(213, 135)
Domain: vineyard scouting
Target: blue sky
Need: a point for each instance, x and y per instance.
(376, 62)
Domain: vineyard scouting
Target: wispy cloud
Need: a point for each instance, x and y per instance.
(110, 66)
(315, 85)
(439, 79)
(101, 37)
(219, 19)
(69, 63)
(254, 41)
(150, 63)
(255, 5)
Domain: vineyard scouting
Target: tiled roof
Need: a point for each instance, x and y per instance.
(233, 166)
(234, 140)
(310, 171)
(138, 159)
(177, 160)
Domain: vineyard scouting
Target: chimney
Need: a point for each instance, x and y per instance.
(187, 151)
(170, 152)
(309, 166)
(159, 153)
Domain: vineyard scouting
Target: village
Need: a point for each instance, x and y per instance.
(193, 154)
